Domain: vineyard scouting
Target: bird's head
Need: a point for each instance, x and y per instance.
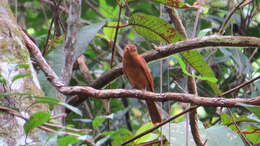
(130, 48)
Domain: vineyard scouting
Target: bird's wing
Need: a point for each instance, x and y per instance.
(143, 64)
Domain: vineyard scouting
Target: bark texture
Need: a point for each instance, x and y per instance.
(15, 60)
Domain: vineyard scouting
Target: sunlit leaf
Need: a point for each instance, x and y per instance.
(98, 121)
(174, 3)
(183, 68)
(253, 137)
(110, 32)
(147, 137)
(108, 11)
(67, 140)
(24, 65)
(36, 120)
(198, 62)
(20, 76)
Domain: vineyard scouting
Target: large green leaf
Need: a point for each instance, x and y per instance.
(36, 120)
(200, 65)
(183, 68)
(174, 3)
(107, 10)
(154, 28)
(157, 29)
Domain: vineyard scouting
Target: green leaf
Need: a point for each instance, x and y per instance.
(36, 120)
(252, 108)
(108, 11)
(98, 121)
(200, 65)
(23, 65)
(120, 136)
(154, 28)
(253, 137)
(110, 32)
(183, 68)
(67, 140)
(72, 108)
(16, 94)
(47, 100)
(2, 80)
(102, 36)
(147, 137)
(20, 76)
(174, 3)
(227, 120)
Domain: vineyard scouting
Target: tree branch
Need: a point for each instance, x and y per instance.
(167, 50)
(217, 41)
(181, 97)
(241, 85)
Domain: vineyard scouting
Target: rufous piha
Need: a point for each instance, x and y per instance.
(138, 74)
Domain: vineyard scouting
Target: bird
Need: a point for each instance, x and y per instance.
(139, 76)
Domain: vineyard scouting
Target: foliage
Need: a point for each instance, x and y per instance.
(142, 24)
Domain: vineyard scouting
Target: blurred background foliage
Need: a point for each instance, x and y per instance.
(128, 116)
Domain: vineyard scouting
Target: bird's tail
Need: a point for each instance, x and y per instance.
(154, 111)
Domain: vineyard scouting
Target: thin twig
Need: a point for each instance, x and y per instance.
(159, 125)
(236, 125)
(241, 85)
(84, 69)
(63, 9)
(230, 14)
(115, 38)
(156, 127)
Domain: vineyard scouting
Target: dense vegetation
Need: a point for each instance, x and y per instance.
(149, 24)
